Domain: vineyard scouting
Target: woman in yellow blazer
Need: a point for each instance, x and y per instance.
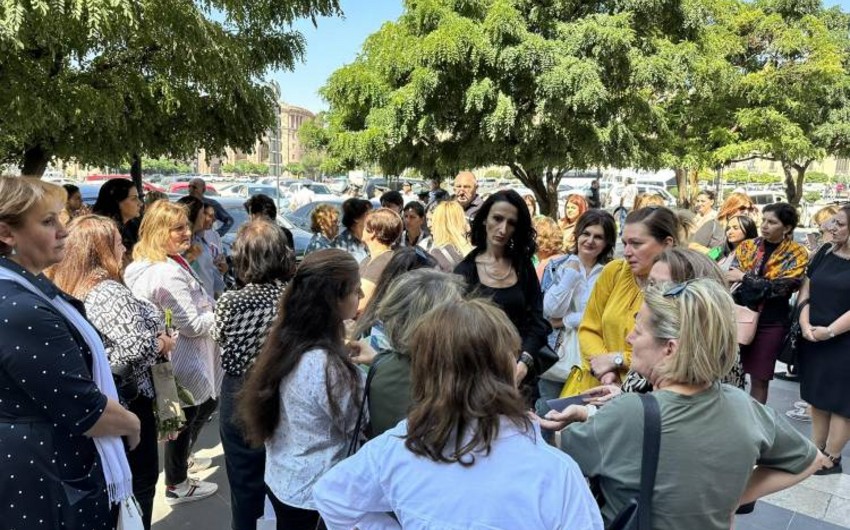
(618, 295)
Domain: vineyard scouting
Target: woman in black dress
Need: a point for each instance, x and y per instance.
(500, 268)
(825, 352)
(59, 415)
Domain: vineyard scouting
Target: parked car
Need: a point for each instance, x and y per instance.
(763, 198)
(183, 188)
(669, 200)
(301, 216)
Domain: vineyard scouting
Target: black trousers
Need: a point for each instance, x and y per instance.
(245, 465)
(291, 518)
(177, 451)
(144, 459)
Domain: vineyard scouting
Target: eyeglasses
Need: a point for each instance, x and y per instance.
(677, 290)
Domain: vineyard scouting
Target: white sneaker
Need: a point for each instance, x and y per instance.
(198, 464)
(188, 491)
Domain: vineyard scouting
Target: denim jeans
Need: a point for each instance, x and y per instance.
(548, 390)
(245, 465)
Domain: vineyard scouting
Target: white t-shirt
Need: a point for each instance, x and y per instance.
(523, 483)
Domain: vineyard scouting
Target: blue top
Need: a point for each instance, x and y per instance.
(221, 216)
(47, 401)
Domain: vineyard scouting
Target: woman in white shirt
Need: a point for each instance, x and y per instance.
(302, 396)
(567, 283)
(498, 473)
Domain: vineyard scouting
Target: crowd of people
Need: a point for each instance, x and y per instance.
(407, 372)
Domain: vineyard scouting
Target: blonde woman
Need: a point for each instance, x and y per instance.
(449, 230)
(684, 342)
(549, 243)
(160, 275)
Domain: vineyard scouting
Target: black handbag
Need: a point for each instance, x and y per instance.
(791, 343)
(637, 514)
(545, 359)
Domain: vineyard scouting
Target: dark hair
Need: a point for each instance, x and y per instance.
(392, 197)
(404, 259)
(353, 209)
(72, 189)
(194, 206)
(463, 358)
(523, 243)
(441, 195)
(385, 225)
(417, 208)
(783, 211)
(308, 318)
(708, 193)
(748, 226)
(110, 194)
(261, 204)
(609, 229)
(659, 221)
(261, 253)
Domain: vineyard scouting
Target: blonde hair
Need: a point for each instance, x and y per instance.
(18, 197)
(644, 199)
(155, 230)
(449, 226)
(686, 264)
(824, 214)
(90, 256)
(324, 219)
(550, 238)
(702, 320)
(412, 295)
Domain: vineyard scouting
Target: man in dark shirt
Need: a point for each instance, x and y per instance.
(197, 187)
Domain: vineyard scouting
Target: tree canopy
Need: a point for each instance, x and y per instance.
(101, 80)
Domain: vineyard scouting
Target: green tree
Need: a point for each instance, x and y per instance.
(101, 80)
(793, 92)
(539, 87)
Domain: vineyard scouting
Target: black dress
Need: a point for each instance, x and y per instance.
(50, 474)
(825, 365)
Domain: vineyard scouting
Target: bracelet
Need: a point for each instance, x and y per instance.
(526, 359)
(831, 333)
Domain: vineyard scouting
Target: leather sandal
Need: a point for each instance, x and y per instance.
(836, 466)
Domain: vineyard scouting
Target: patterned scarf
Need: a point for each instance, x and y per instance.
(789, 260)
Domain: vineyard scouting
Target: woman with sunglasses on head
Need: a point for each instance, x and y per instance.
(500, 268)
(770, 269)
(684, 343)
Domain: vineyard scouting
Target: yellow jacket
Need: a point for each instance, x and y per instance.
(610, 314)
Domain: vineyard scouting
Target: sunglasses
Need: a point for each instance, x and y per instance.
(677, 290)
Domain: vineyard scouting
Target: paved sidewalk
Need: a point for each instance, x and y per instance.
(819, 503)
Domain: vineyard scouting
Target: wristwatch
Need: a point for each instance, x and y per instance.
(618, 361)
(526, 359)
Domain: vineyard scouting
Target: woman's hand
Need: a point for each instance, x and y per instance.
(818, 333)
(557, 420)
(361, 353)
(601, 394)
(166, 343)
(734, 275)
(602, 364)
(520, 373)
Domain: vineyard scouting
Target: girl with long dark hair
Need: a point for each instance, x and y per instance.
(301, 396)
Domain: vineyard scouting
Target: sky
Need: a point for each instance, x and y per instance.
(336, 41)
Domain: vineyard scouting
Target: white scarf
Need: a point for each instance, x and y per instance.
(113, 458)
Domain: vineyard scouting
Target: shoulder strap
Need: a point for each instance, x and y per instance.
(354, 444)
(649, 461)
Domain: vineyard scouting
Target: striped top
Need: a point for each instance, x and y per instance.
(195, 357)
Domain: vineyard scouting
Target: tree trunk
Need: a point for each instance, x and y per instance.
(795, 176)
(35, 161)
(681, 184)
(545, 187)
(136, 175)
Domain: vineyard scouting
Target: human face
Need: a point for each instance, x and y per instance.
(40, 240)
(571, 211)
(465, 188)
(131, 206)
(179, 237)
(197, 189)
(772, 228)
(838, 228)
(660, 273)
(75, 201)
(209, 217)
(500, 224)
(641, 249)
(348, 304)
(703, 204)
(412, 221)
(591, 242)
(734, 233)
(648, 352)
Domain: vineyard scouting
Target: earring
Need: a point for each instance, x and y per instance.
(13, 252)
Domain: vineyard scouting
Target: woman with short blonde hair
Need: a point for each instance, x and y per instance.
(161, 275)
(684, 341)
(449, 231)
